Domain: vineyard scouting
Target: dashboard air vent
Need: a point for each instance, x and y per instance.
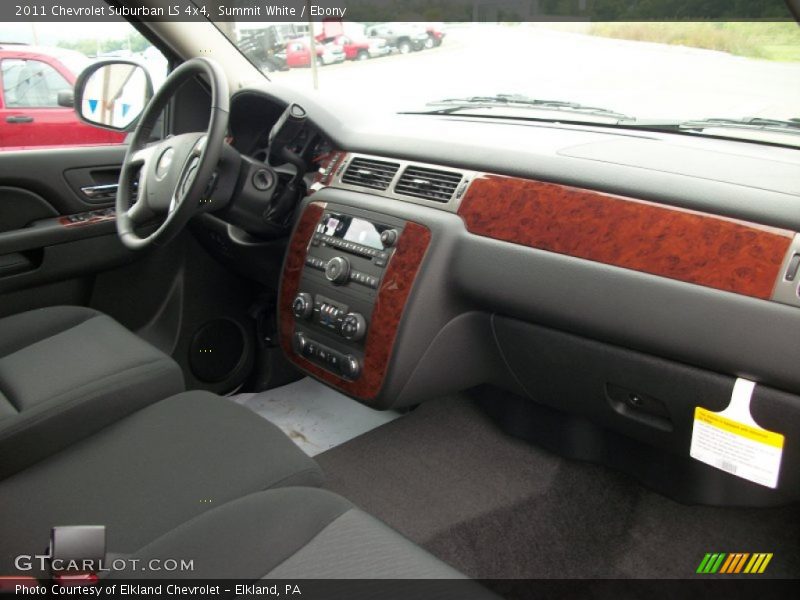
(366, 172)
(429, 184)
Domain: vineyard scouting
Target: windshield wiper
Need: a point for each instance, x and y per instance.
(452, 105)
(790, 126)
(448, 106)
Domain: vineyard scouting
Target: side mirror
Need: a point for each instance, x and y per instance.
(66, 98)
(112, 94)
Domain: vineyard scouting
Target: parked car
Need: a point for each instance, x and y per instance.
(298, 54)
(264, 48)
(435, 33)
(361, 48)
(36, 99)
(404, 37)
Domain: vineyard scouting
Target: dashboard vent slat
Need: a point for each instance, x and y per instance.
(366, 172)
(430, 184)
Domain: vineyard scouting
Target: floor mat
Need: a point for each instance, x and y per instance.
(495, 507)
(315, 416)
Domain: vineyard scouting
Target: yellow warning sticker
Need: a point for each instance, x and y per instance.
(753, 433)
(733, 442)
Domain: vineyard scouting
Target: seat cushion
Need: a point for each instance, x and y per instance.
(68, 371)
(295, 533)
(148, 473)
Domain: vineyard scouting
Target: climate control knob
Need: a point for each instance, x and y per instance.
(303, 306)
(354, 326)
(337, 271)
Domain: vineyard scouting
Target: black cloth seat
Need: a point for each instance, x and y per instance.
(68, 371)
(301, 533)
(148, 473)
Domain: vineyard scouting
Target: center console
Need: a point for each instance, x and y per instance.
(347, 276)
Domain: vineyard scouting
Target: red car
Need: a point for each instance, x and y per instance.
(360, 49)
(435, 33)
(298, 54)
(31, 81)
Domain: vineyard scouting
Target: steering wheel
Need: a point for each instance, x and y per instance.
(177, 173)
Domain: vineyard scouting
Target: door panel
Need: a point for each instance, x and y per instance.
(44, 172)
(46, 235)
(19, 207)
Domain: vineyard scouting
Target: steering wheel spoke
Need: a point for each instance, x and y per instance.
(139, 213)
(143, 156)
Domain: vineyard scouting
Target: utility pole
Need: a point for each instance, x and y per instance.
(312, 45)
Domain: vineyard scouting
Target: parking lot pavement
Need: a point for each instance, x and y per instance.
(636, 78)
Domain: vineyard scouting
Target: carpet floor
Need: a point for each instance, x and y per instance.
(495, 507)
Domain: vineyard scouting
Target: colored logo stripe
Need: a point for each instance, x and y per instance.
(733, 563)
(758, 563)
(710, 563)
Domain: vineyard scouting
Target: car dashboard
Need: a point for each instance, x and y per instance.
(423, 262)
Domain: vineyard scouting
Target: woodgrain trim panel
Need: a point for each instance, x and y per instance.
(389, 305)
(681, 244)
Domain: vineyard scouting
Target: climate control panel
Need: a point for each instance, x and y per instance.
(333, 316)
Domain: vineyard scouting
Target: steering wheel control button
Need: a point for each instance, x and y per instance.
(303, 306)
(337, 271)
(354, 327)
(388, 238)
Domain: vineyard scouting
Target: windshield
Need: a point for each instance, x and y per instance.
(631, 72)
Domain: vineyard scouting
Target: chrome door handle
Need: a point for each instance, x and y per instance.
(100, 192)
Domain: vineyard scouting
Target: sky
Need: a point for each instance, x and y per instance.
(50, 33)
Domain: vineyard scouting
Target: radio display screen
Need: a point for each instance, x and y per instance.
(352, 229)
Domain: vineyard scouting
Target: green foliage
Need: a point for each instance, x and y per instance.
(687, 10)
(768, 40)
(92, 47)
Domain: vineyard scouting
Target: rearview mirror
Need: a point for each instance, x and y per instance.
(112, 94)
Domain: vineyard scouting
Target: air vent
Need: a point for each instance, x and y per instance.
(429, 184)
(366, 172)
